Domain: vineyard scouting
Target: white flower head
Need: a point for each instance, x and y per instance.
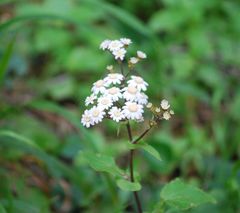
(166, 115)
(141, 54)
(138, 82)
(98, 86)
(105, 102)
(130, 93)
(133, 60)
(97, 114)
(164, 104)
(115, 45)
(113, 78)
(116, 114)
(142, 98)
(133, 110)
(126, 41)
(104, 45)
(90, 99)
(87, 119)
(114, 93)
(119, 54)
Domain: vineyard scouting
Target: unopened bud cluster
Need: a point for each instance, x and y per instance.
(162, 111)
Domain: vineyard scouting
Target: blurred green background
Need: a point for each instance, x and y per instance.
(49, 58)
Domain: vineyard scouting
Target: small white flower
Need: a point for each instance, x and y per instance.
(97, 114)
(133, 111)
(171, 112)
(90, 99)
(157, 110)
(138, 82)
(113, 78)
(105, 102)
(164, 104)
(130, 93)
(141, 54)
(114, 93)
(133, 60)
(142, 98)
(166, 115)
(126, 41)
(104, 45)
(116, 114)
(110, 68)
(87, 119)
(119, 53)
(149, 105)
(98, 86)
(115, 45)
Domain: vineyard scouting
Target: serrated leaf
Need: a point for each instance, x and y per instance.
(128, 186)
(101, 163)
(183, 196)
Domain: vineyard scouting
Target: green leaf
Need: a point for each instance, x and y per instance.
(101, 163)
(22, 206)
(2, 210)
(122, 15)
(184, 196)
(6, 58)
(19, 142)
(128, 186)
(151, 150)
(146, 147)
(18, 137)
(166, 20)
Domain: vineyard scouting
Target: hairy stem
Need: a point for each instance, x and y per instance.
(121, 67)
(131, 155)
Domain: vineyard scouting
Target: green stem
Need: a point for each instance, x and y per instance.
(131, 155)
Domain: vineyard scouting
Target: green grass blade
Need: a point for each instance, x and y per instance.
(5, 59)
(24, 18)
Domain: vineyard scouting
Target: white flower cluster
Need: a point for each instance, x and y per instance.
(116, 47)
(121, 97)
(116, 98)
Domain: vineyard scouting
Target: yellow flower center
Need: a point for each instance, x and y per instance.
(96, 113)
(104, 101)
(113, 90)
(139, 80)
(132, 90)
(117, 113)
(87, 119)
(133, 107)
(99, 83)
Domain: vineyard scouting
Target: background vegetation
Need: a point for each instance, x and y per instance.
(49, 58)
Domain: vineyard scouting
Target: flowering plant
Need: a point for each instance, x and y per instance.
(121, 96)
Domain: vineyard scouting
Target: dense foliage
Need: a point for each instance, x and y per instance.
(49, 58)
